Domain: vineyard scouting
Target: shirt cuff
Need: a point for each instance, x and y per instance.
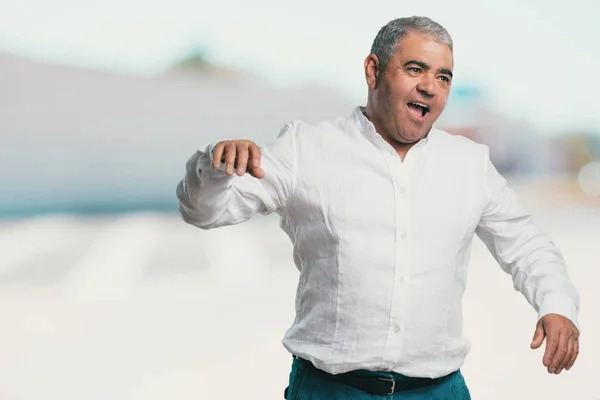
(562, 305)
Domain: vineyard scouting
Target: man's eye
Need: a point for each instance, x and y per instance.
(445, 79)
(414, 69)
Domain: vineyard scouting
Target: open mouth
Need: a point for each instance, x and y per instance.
(420, 110)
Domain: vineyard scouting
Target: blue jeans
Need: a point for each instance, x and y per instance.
(307, 384)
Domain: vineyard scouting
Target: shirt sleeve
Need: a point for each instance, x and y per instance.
(522, 250)
(208, 198)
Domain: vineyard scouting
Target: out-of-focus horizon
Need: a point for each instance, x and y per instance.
(112, 100)
(116, 143)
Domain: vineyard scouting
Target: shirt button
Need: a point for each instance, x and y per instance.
(402, 280)
(396, 328)
(401, 190)
(403, 234)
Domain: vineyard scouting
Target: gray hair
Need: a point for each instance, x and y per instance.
(388, 38)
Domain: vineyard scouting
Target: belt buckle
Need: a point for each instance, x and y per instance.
(393, 384)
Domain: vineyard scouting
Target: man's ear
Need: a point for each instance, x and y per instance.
(372, 70)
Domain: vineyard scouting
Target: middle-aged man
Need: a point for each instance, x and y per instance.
(381, 208)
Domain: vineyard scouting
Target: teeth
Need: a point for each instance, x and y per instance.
(424, 108)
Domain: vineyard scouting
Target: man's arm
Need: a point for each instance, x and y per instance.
(211, 194)
(537, 268)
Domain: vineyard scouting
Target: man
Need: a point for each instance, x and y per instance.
(381, 208)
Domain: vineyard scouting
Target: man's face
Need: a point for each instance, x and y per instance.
(414, 88)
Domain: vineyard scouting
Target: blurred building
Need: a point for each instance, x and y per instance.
(85, 141)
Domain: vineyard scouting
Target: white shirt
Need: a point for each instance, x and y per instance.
(382, 245)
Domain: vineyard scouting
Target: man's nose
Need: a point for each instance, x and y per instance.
(427, 86)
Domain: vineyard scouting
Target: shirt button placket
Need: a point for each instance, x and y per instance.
(398, 307)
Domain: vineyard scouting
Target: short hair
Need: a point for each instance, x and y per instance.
(388, 38)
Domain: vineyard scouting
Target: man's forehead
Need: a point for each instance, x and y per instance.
(424, 49)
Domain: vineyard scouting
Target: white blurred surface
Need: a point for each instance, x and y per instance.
(143, 306)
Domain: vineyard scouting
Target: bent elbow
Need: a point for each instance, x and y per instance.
(194, 218)
(189, 211)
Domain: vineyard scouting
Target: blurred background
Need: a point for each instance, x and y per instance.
(106, 293)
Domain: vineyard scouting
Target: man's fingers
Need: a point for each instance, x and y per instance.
(254, 162)
(538, 336)
(568, 356)
(562, 343)
(551, 346)
(255, 155)
(218, 155)
(560, 353)
(241, 158)
(575, 354)
(230, 153)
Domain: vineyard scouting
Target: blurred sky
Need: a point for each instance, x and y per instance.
(536, 59)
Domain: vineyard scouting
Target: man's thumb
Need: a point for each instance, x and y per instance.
(538, 336)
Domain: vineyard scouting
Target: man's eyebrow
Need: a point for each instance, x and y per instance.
(419, 63)
(445, 71)
(426, 67)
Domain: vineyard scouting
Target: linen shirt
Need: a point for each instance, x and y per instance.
(382, 245)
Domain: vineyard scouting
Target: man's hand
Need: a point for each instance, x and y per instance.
(562, 344)
(243, 155)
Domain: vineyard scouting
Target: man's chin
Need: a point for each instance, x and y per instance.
(413, 136)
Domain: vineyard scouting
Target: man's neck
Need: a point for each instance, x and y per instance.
(401, 148)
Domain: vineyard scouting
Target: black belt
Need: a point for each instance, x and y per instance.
(378, 385)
